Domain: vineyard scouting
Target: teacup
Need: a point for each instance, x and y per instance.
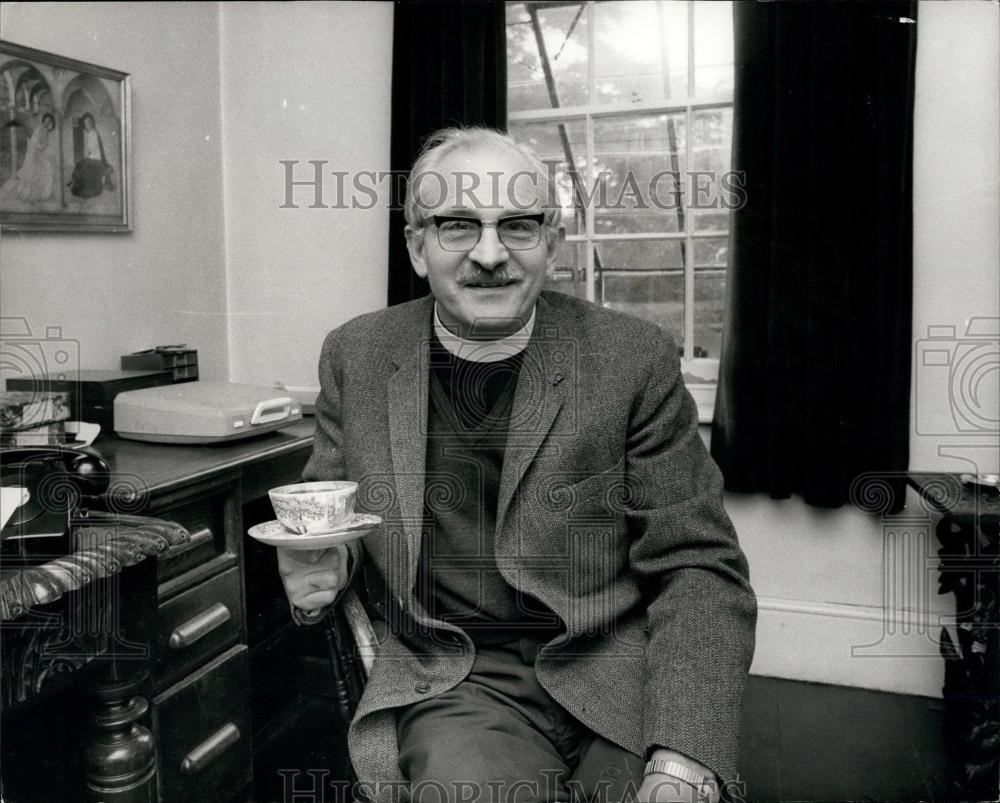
(308, 507)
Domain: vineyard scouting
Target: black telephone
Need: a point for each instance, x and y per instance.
(57, 480)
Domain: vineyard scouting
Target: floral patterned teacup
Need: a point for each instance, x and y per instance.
(312, 507)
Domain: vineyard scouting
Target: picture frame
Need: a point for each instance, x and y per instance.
(65, 144)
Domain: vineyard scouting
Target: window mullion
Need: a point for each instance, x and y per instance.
(688, 221)
(588, 127)
(588, 212)
(656, 107)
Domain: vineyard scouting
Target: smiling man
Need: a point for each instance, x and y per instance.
(566, 607)
(477, 232)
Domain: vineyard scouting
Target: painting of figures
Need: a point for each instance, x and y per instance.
(64, 144)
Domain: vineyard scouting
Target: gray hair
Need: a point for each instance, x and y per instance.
(447, 140)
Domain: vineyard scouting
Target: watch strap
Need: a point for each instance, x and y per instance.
(679, 771)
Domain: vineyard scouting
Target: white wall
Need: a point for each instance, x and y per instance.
(844, 596)
(956, 248)
(831, 582)
(213, 261)
(305, 81)
(164, 282)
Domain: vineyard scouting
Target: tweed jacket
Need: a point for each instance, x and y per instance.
(610, 512)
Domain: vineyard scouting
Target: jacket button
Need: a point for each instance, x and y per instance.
(422, 688)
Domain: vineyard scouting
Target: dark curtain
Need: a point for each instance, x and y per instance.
(815, 369)
(449, 67)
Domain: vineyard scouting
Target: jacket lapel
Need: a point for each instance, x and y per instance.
(408, 426)
(547, 371)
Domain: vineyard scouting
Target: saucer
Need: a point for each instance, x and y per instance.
(355, 526)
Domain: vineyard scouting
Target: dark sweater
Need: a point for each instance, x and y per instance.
(458, 580)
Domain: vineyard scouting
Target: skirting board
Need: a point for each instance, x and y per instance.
(849, 645)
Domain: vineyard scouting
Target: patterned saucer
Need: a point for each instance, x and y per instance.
(355, 526)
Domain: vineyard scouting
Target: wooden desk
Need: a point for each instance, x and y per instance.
(78, 622)
(218, 629)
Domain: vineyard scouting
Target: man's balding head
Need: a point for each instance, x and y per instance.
(426, 183)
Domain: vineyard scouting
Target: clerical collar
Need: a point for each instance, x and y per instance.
(484, 350)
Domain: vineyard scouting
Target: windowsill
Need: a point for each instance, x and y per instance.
(701, 379)
(704, 397)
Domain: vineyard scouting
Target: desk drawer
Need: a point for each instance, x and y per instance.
(203, 731)
(208, 516)
(197, 624)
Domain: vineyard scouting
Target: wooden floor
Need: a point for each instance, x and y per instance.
(809, 741)
(800, 742)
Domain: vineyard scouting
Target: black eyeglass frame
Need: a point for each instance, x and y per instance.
(538, 218)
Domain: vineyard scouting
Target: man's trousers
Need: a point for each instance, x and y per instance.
(498, 737)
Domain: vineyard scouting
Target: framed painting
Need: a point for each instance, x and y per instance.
(65, 144)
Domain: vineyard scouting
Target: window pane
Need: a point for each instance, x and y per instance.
(570, 273)
(708, 220)
(712, 130)
(658, 298)
(639, 255)
(711, 158)
(709, 295)
(547, 140)
(637, 163)
(564, 35)
(711, 252)
(641, 51)
(713, 48)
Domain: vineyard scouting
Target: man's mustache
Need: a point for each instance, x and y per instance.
(475, 277)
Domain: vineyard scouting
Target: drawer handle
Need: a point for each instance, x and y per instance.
(210, 749)
(196, 540)
(201, 625)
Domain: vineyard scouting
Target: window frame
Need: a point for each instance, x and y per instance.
(689, 106)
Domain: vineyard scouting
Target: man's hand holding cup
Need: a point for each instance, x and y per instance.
(313, 578)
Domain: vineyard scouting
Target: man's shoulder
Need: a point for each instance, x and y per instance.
(601, 324)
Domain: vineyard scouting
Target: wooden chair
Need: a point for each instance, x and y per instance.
(351, 639)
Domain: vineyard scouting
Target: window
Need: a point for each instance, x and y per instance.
(630, 103)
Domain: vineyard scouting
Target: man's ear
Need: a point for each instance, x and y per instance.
(415, 245)
(555, 236)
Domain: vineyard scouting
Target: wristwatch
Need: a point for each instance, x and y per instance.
(679, 771)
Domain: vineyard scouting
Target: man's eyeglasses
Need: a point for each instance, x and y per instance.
(518, 233)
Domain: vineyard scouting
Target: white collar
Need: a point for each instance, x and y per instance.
(484, 350)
